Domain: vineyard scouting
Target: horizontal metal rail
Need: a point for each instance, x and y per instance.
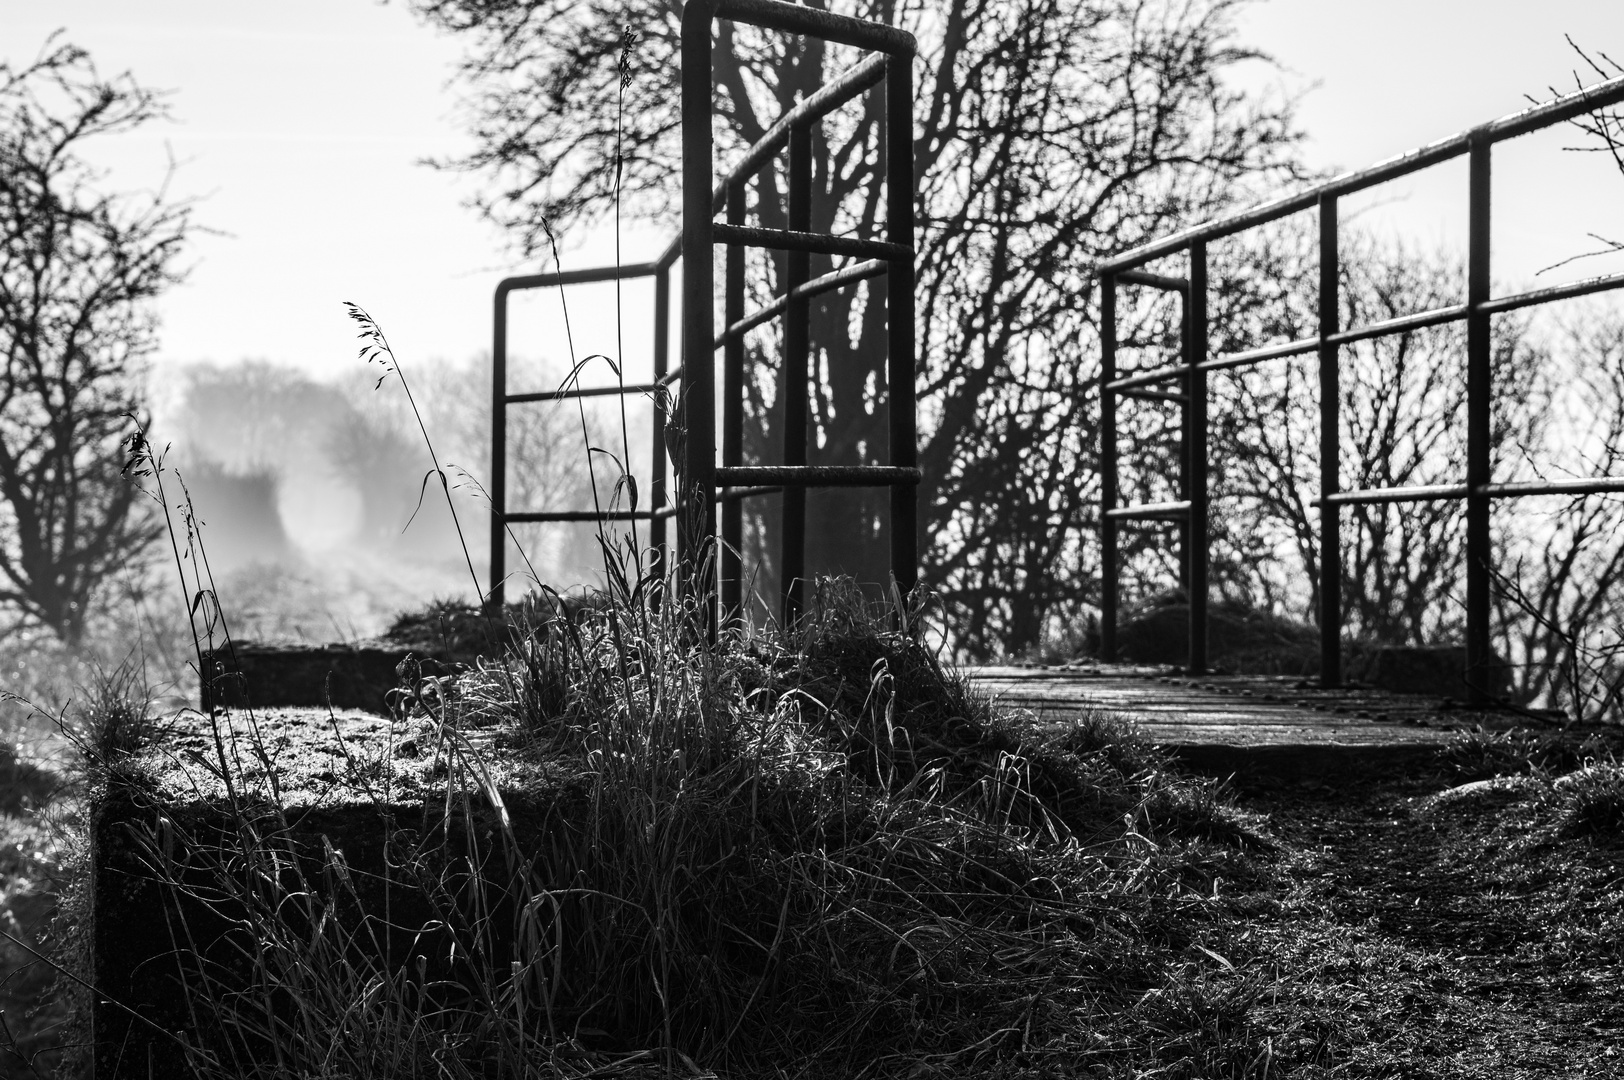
(578, 277)
(734, 494)
(542, 517)
(815, 287)
(816, 243)
(539, 517)
(1604, 485)
(570, 393)
(1587, 287)
(1167, 511)
(1421, 320)
(1558, 111)
(829, 97)
(1600, 485)
(815, 22)
(1154, 281)
(817, 475)
(1158, 395)
(1419, 493)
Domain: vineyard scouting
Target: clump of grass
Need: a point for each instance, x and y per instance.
(821, 855)
(1481, 754)
(1593, 802)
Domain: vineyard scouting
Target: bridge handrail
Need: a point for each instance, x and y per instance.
(1528, 120)
(1191, 511)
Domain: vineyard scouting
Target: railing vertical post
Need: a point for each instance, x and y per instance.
(697, 498)
(1186, 436)
(732, 512)
(1330, 388)
(1479, 398)
(498, 571)
(900, 345)
(797, 342)
(662, 366)
(1108, 469)
(1196, 388)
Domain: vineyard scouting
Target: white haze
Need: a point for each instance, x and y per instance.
(319, 510)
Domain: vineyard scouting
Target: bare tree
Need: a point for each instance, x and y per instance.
(78, 269)
(1560, 596)
(1049, 134)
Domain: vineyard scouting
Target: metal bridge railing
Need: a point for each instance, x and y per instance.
(658, 512)
(1192, 508)
(705, 485)
(892, 257)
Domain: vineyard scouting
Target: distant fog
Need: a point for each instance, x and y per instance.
(305, 488)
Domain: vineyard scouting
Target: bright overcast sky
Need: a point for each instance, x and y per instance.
(300, 124)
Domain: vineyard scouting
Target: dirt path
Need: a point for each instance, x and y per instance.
(1475, 934)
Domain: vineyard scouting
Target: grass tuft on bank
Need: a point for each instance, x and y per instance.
(814, 854)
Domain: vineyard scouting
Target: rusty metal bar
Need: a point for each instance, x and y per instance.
(1186, 549)
(1154, 281)
(1419, 493)
(1108, 470)
(816, 287)
(734, 494)
(1158, 395)
(1531, 119)
(533, 517)
(498, 492)
(587, 276)
(815, 22)
(1330, 388)
(810, 242)
(1404, 324)
(902, 428)
(696, 502)
(1167, 511)
(1587, 287)
(732, 513)
(1479, 433)
(1603, 485)
(797, 345)
(1196, 355)
(1401, 324)
(827, 98)
(1231, 360)
(657, 482)
(791, 477)
(572, 393)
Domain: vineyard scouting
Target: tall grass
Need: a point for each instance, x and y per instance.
(819, 856)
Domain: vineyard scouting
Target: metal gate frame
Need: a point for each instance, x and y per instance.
(658, 512)
(701, 478)
(704, 485)
(1192, 509)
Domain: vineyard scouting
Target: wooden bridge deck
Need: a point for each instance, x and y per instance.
(1225, 724)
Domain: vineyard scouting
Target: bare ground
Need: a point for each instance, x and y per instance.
(1419, 927)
